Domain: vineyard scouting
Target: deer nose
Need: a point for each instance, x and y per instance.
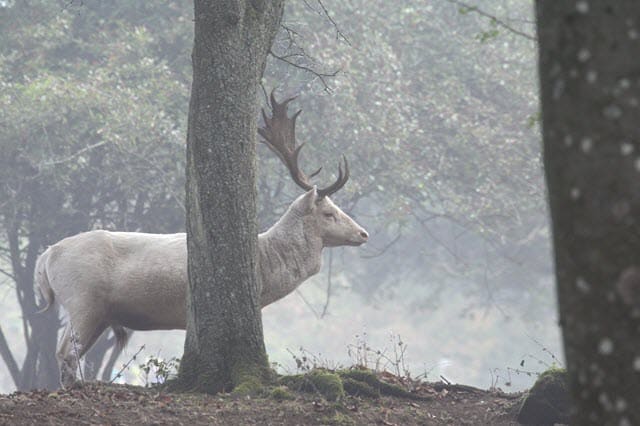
(364, 235)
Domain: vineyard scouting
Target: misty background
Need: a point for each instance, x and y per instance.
(435, 105)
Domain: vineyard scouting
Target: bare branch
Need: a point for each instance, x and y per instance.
(323, 11)
(8, 274)
(320, 75)
(291, 33)
(74, 155)
(9, 360)
(339, 33)
(428, 231)
(493, 18)
(126, 365)
(304, 299)
(163, 175)
(380, 252)
(328, 297)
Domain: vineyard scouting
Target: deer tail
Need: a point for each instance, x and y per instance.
(42, 280)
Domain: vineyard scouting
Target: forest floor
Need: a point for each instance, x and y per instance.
(111, 404)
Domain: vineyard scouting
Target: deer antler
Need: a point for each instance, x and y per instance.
(279, 133)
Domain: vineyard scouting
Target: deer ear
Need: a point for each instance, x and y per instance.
(308, 201)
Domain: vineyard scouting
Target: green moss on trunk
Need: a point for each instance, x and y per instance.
(324, 382)
(548, 400)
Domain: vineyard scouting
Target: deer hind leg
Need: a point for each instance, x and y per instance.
(77, 338)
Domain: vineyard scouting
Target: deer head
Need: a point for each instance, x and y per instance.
(321, 215)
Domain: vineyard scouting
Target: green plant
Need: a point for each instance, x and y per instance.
(281, 393)
(385, 359)
(161, 370)
(323, 382)
(307, 361)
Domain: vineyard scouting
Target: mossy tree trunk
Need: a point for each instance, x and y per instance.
(590, 98)
(224, 344)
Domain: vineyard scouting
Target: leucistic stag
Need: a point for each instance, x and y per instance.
(138, 281)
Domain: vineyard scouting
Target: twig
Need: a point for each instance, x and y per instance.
(290, 31)
(544, 349)
(520, 371)
(487, 286)
(399, 356)
(308, 304)
(455, 387)
(125, 366)
(325, 12)
(70, 3)
(451, 251)
(322, 76)
(74, 155)
(176, 197)
(338, 32)
(9, 359)
(381, 251)
(329, 273)
(493, 18)
(8, 274)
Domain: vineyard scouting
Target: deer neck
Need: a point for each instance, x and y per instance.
(287, 256)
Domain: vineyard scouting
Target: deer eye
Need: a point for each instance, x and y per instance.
(329, 215)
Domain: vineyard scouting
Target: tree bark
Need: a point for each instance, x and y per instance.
(224, 344)
(39, 367)
(590, 96)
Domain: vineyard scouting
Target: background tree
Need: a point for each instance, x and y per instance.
(450, 168)
(224, 345)
(590, 93)
(78, 125)
(434, 106)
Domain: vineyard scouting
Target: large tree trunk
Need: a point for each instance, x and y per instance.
(39, 367)
(590, 96)
(224, 344)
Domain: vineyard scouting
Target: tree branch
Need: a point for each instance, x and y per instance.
(329, 285)
(305, 68)
(306, 302)
(9, 360)
(72, 156)
(386, 247)
(8, 274)
(493, 18)
(291, 33)
(176, 197)
(323, 11)
(339, 33)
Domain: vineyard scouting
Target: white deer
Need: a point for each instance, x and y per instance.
(139, 281)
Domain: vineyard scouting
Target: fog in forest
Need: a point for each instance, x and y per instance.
(433, 103)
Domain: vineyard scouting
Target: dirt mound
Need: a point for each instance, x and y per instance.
(110, 404)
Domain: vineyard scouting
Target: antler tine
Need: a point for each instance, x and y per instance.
(340, 181)
(298, 176)
(279, 133)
